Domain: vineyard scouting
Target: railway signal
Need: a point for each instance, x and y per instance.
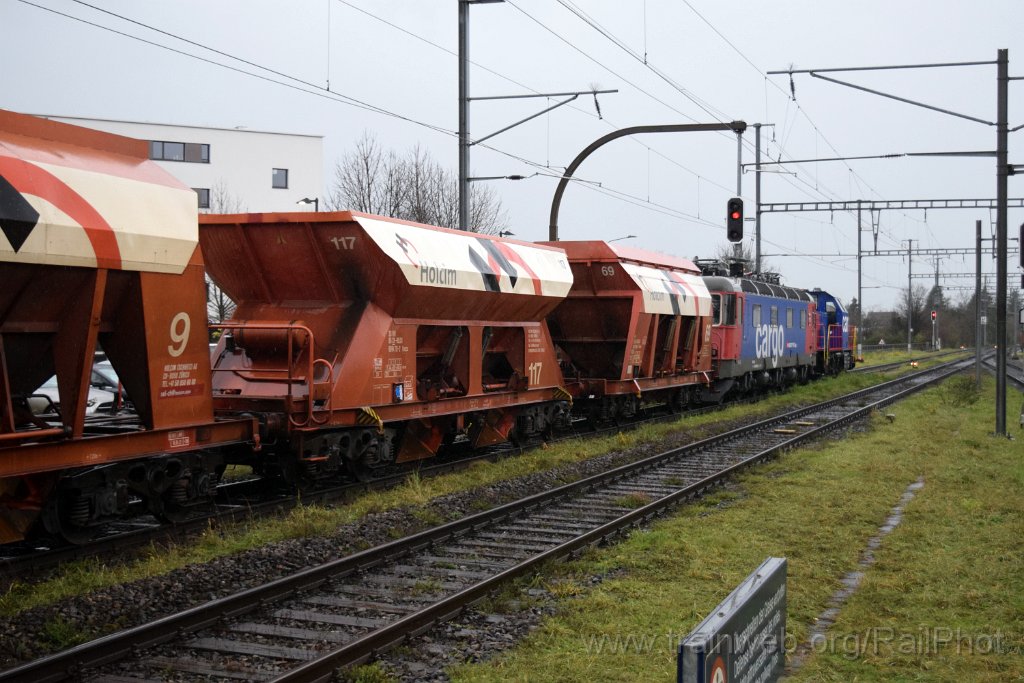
(933, 315)
(734, 219)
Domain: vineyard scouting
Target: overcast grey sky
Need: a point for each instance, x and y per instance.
(706, 61)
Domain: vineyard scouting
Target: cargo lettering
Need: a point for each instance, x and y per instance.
(434, 275)
(769, 341)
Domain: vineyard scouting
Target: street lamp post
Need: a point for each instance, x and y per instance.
(315, 201)
(736, 126)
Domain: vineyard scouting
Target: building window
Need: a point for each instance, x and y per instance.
(280, 179)
(203, 193)
(193, 152)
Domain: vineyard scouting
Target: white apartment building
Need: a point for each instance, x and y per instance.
(232, 170)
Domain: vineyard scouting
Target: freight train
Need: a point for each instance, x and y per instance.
(359, 342)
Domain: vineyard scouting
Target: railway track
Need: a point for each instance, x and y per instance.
(237, 502)
(1014, 372)
(306, 625)
(246, 501)
(255, 499)
(882, 367)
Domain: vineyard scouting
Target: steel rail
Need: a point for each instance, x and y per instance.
(362, 649)
(72, 662)
(232, 510)
(882, 367)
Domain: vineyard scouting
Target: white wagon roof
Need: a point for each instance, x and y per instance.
(453, 259)
(670, 292)
(72, 196)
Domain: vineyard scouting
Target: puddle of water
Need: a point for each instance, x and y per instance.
(851, 582)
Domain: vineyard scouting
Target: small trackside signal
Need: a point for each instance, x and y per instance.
(734, 219)
(934, 315)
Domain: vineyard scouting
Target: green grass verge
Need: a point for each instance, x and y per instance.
(954, 563)
(898, 353)
(92, 574)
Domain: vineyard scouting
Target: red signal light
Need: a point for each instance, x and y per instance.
(734, 219)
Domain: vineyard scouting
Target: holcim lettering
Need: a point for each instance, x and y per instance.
(438, 276)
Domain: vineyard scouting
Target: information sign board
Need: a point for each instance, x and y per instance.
(742, 640)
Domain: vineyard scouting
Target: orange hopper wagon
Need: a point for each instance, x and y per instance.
(361, 341)
(99, 248)
(634, 330)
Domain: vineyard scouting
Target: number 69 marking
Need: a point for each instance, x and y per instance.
(180, 327)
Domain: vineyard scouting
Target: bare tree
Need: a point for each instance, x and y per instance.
(743, 251)
(222, 200)
(916, 309)
(354, 176)
(412, 187)
(220, 307)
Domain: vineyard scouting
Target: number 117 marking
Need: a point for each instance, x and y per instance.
(346, 243)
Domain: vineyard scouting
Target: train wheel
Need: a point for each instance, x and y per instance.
(365, 474)
(187, 497)
(86, 500)
(70, 516)
(178, 488)
(369, 455)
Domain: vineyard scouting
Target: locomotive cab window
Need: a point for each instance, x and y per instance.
(803, 320)
(723, 309)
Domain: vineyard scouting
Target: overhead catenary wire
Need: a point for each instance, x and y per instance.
(299, 85)
(311, 88)
(608, 122)
(800, 109)
(508, 79)
(720, 116)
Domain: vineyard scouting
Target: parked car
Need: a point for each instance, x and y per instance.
(104, 377)
(104, 391)
(46, 399)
